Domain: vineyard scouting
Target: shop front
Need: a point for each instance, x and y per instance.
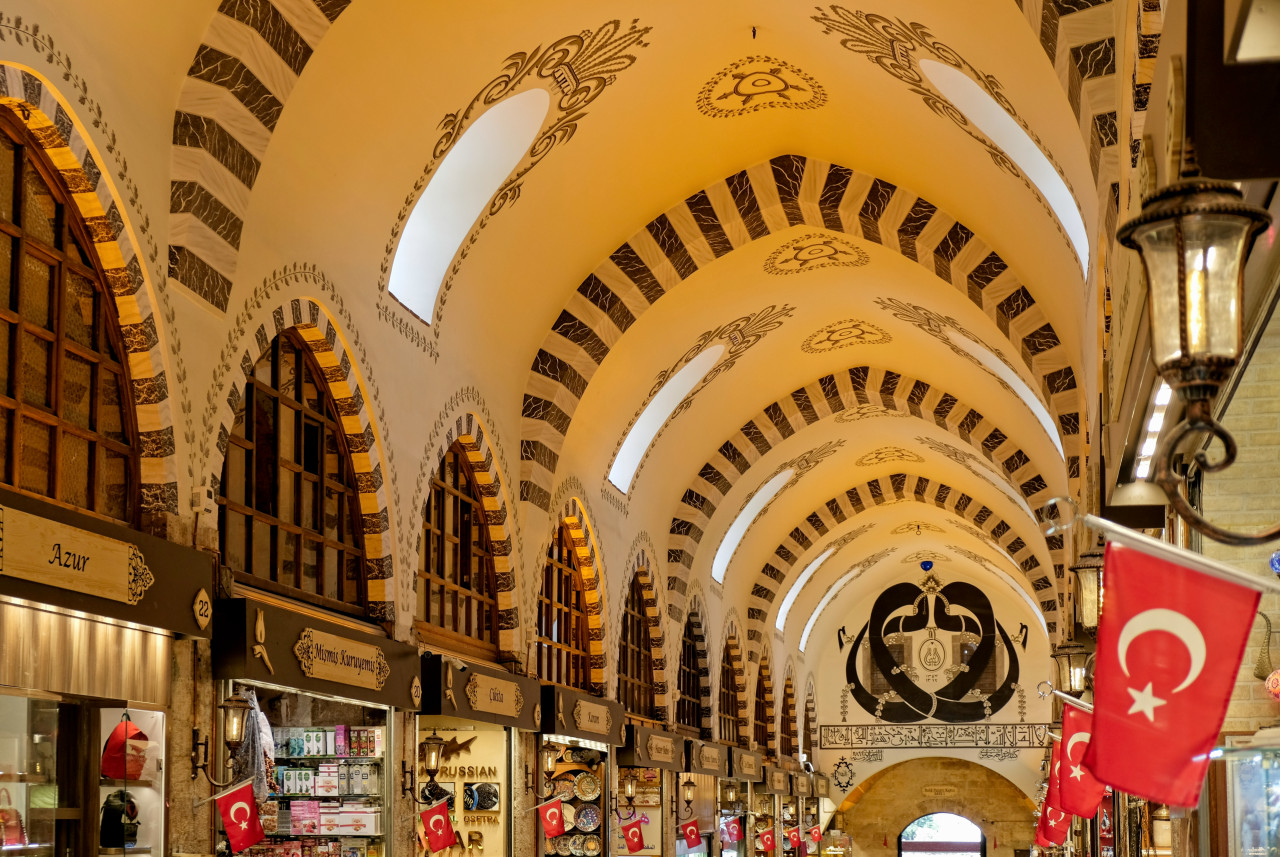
(822, 808)
(466, 735)
(738, 801)
(707, 767)
(321, 753)
(649, 762)
(774, 809)
(89, 612)
(804, 816)
(579, 734)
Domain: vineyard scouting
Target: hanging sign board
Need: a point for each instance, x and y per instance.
(574, 714)
(63, 558)
(776, 782)
(479, 692)
(707, 757)
(746, 766)
(651, 748)
(801, 785)
(339, 659)
(821, 785)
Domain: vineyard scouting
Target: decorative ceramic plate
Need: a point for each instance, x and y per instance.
(576, 845)
(567, 814)
(588, 818)
(586, 786)
(591, 845)
(562, 846)
(564, 788)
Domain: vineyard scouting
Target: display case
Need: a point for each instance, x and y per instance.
(474, 779)
(29, 778)
(580, 780)
(131, 772)
(1252, 806)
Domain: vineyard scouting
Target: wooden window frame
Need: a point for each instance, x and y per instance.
(349, 539)
(689, 681)
(787, 741)
(564, 654)
(454, 533)
(729, 728)
(635, 656)
(13, 407)
(762, 720)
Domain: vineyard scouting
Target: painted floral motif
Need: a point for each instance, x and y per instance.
(815, 251)
(842, 334)
(759, 83)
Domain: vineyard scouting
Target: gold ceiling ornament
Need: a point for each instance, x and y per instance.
(866, 412)
(886, 454)
(759, 83)
(815, 251)
(842, 334)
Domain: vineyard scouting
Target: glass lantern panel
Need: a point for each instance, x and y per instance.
(1214, 248)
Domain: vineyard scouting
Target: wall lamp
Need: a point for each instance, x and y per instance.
(430, 750)
(548, 756)
(629, 793)
(687, 790)
(1192, 237)
(234, 709)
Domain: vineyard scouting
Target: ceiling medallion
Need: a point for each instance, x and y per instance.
(758, 83)
(916, 527)
(813, 251)
(886, 454)
(924, 556)
(841, 334)
(866, 412)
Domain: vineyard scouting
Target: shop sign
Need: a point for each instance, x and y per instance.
(821, 786)
(748, 766)
(58, 555)
(708, 756)
(333, 658)
(778, 780)
(661, 748)
(803, 786)
(593, 717)
(939, 790)
(494, 695)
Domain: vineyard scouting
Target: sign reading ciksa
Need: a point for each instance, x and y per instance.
(333, 658)
(494, 696)
(44, 551)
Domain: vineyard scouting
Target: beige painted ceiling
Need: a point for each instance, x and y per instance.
(361, 124)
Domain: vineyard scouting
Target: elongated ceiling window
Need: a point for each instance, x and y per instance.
(457, 194)
(738, 529)
(790, 598)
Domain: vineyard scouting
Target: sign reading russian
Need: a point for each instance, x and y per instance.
(54, 554)
(333, 658)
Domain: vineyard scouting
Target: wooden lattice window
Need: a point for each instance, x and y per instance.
(66, 431)
(289, 513)
(635, 655)
(810, 730)
(689, 682)
(728, 698)
(762, 722)
(563, 653)
(787, 743)
(457, 592)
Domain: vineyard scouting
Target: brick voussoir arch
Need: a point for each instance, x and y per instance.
(318, 331)
(39, 107)
(764, 677)
(862, 392)
(696, 611)
(733, 650)
(813, 529)
(642, 568)
(769, 197)
(468, 431)
(582, 535)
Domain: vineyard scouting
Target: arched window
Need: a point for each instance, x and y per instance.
(810, 732)
(728, 715)
(942, 833)
(689, 701)
(67, 432)
(788, 739)
(289, 514)
(457, 593)
(563, 653)
(762, 722)
(635, 655)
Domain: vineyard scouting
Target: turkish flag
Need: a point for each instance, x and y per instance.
(793, 836)
(1170, 641)
(634, 836)
(552, 815)
(1079, 789)
(815, 833)
(766, 840)
(239, 813)
(1053, 826)
(692, 836)
(438, 827)
(730, 830)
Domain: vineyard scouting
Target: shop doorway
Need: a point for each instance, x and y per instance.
(942, 834)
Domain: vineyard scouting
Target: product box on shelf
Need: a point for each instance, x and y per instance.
(326, 781)
(304, 817)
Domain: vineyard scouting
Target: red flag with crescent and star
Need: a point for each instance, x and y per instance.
(633, 836)
(1053, 826)
(438, 827)
(552, 815)
(815, 833)
(1079, 789)
(793, 836)
(1053, 798)
(730, 830)
(1170, 640)
(239, 813)
(766, 840)
(692, 836)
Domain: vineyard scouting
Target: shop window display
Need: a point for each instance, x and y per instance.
(580, 781)
(474, 779)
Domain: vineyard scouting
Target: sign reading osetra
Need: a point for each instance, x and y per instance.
(44, 551)
(333, 658)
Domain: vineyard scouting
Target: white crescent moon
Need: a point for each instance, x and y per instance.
(440, 819)
(236, 806)
(634, 830)
(1160, 619)
(553, 814)
(1079, 736)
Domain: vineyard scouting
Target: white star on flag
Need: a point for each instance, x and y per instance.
(1145, 701)
(1076, 773)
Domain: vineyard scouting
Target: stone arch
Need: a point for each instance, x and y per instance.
(811, 716)
(784, 192)
(812, 530)
(581, 534)
(248, 64)
(787, 710)
(320, 333)
(733, 651)
(764, 689)
(641, 571)
(468, 431)
(694, 619)
(42, 109)
(863, 392)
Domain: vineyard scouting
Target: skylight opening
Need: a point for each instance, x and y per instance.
(992, 119)
(458, 193)
(738, 529)
(656, 414)
(794, 592)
